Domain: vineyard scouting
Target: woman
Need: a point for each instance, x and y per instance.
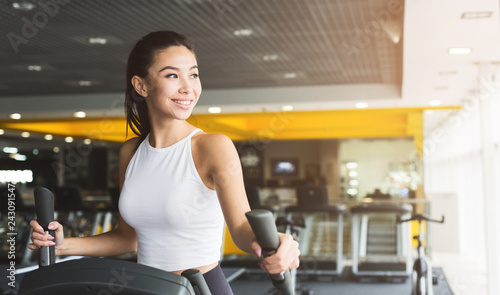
(178, 184)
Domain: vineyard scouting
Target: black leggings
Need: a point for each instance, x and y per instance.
(217, 282)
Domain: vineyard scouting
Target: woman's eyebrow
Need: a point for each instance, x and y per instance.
(175, 68)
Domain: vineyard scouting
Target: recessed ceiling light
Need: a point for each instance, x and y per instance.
(10, 150)
(243, 32)
(434, 102)
(361, 105)
(270, 57)
(36, 152)
(23, 5)
(79, 114)
(35, 68)
(19, 157)
(68, 139)
(87, 141)
(2, 132)
(48, 137)
(15, 116)
(25, 134)
(98, 40)
(287, 108)
(55, 149)
(290, 75)
(84, 83)
(460, 50)
(477, 14)
(214, 110)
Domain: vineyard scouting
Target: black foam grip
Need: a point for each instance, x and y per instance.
(264, 228)
(197, 281)
(266, 233)
(44, 206)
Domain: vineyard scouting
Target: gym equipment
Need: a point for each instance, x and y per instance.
(44, 204)
(320, 237)
(266, 233)
(98, 276)
(92, 276)
(381, 246)
(421, 277)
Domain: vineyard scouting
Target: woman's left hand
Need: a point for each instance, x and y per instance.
(287, 256)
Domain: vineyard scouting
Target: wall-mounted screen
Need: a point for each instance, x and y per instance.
(285, 167)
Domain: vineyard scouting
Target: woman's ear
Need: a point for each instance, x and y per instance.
(139, 86)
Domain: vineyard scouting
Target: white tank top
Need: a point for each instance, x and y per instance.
(177, 219)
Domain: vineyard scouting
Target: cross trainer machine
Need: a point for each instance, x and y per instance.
(99, 276)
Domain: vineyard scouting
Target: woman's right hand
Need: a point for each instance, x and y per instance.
(40, 239)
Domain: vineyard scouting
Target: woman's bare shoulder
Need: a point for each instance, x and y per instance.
(212, 142)
(128, 148)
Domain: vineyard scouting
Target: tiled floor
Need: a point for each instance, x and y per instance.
(464, 275)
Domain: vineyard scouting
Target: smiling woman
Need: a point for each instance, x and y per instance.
(178, 184)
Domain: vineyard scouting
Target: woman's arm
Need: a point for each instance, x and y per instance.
(120, 240)
(222, 165)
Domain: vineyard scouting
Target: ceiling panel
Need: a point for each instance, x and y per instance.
(323, 42)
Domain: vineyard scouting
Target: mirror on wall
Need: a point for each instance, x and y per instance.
(379, 168)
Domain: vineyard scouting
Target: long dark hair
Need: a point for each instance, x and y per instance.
(140, 59)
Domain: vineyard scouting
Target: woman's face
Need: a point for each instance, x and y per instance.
(173, 84)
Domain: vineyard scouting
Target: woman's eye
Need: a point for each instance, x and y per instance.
(195, 76)
(171, 76)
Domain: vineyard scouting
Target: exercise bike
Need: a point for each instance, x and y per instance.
(421, 277)
(100, 276)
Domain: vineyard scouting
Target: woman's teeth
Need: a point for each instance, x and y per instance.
(184, 102)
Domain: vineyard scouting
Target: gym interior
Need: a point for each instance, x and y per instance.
(349, 117)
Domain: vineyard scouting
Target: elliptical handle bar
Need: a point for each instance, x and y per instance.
(266, 233)
(420, 218)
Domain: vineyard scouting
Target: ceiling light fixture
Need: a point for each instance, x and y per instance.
(361, 105)
(68, 139)
(434, 102)
(477, 14)
(214, 110)
(15, 116)
(48, 137)
(98, 40)
(19, 157)
(460, 50)
(243, 32)
(270, 57)
(79, 114)
(23, 5)
(2, 132)
(287, 108)
(84, 83)
(290, 75)
(25, 134)
(35, 68)
(393, 30)
(55, 149)
(87, 141)
(10, 150)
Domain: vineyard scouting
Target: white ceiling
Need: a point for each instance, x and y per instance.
(235, 77)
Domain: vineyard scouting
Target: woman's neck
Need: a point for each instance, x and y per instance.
(168, 133)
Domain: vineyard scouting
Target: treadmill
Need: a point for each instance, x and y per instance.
(381, 247)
